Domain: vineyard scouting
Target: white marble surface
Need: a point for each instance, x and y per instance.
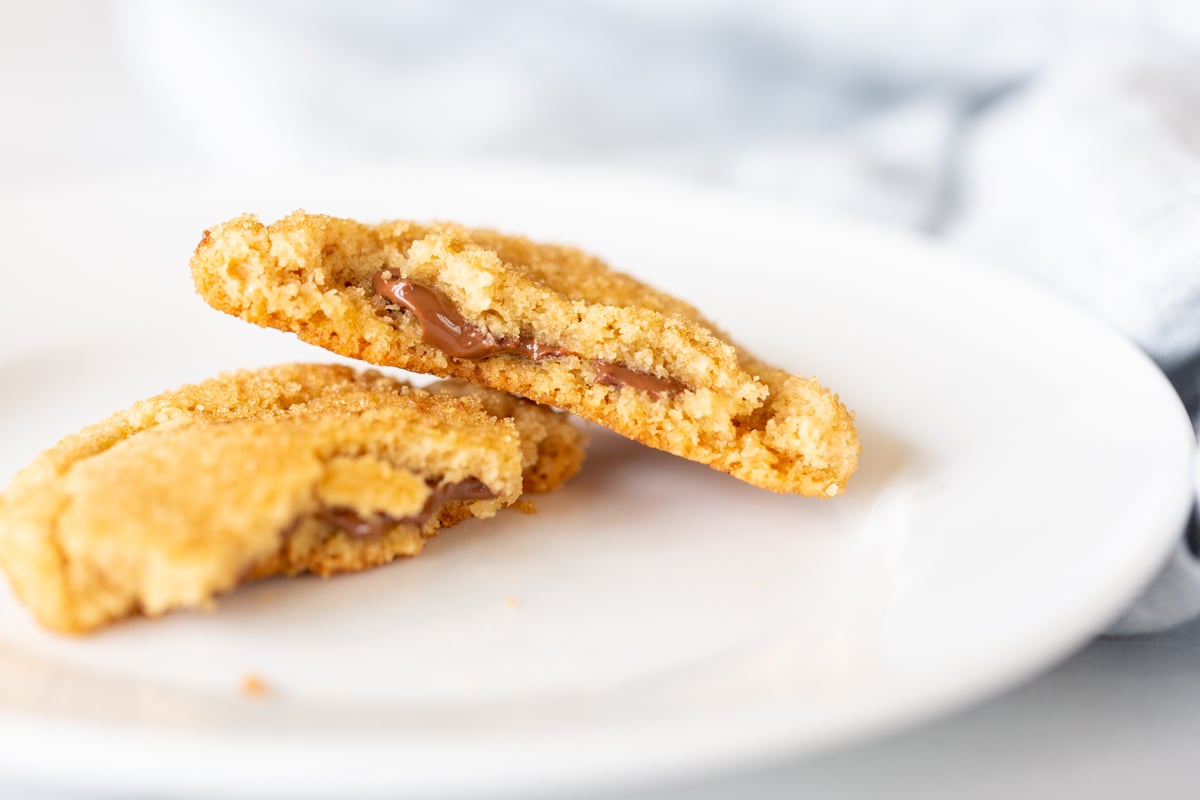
(1119, 718)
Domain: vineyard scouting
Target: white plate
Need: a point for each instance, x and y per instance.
(1024, 471)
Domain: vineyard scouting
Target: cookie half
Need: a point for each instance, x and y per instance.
(276, 471)
(547, 322)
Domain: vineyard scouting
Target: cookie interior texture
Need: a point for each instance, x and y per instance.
(276, 471)
(567, 331)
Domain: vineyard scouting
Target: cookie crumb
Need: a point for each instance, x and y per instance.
(525, 506)
(253, 686)
(512, 601)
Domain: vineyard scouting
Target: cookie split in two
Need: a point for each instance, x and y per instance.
(299, 468)
(322, 469)
(546, 322)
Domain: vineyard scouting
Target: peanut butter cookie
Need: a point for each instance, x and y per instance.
(546, 322)
(276, 471)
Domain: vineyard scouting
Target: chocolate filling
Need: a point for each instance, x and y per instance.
(444, 328)
(609, 374)
(353, 523)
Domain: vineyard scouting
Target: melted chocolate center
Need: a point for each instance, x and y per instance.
(444, 328)
(353, 523)
(609, 374)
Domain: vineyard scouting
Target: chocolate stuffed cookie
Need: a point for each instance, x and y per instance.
(546, 322)
(274, 471)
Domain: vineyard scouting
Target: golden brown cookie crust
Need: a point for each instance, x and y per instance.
(552, 447)
(313, 275)
(184, 495)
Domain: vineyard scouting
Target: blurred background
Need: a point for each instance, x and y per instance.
(1055, 137)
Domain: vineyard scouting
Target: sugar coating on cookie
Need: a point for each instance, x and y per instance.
(282, 470)
(547, 322)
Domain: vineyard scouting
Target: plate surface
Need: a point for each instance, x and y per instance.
(1024, 471)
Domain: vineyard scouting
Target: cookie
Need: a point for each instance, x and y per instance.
(547, 322)
(298, 468)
